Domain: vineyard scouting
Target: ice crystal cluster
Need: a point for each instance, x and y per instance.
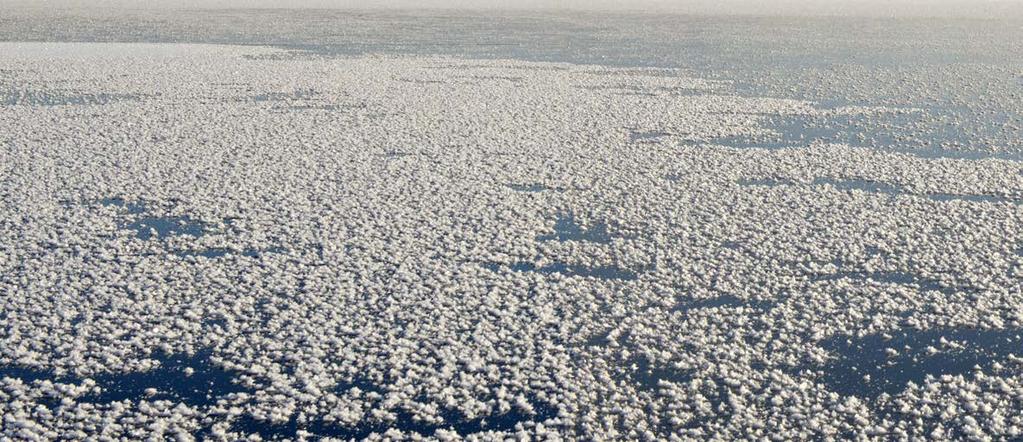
(227, 242)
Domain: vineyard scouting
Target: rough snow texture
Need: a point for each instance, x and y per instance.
(227, 242)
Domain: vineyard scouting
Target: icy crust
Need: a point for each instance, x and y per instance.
(380, 247)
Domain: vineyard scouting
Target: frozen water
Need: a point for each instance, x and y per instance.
(60, 98)
(405, 422)
(221, 252)
(532, 188)
(861, 185)
(649, 376)
(896, 278)
(190, 379)
(567, 229)
(148, 226)
(937, 136)
(726, 301)
(24, 373)
(161, 227)
(532, 226)
(647, 136)
(886, 363)
(869, 186)
(132, 208)
(600, 272)
(298, 95)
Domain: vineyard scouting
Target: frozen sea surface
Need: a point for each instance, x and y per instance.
(360, 225)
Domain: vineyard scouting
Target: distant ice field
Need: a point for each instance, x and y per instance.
(281, 240)
(965, 76)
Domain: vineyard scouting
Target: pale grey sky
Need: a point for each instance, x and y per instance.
(974, 8)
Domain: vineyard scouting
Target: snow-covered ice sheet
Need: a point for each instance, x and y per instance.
(219, 242)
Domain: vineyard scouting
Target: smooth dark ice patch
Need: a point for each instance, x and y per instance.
(732, 245)
(300, 100)
(61, 98)
(146, 227)
(297, 95)
(364, 385)
(493, 77)
(25, 373)
(601, 272)
(415, 81)
(938, 153)
(405, 422)
(863, 366)
(787, 131)
(726, 301)
(648, 376)
(690, 91)
(858, 184)
(323, 107)
(532, 188)
(132, 208)
(267, 430)
(222, 252)
(620, 89)
(397, 154)
(765, 182)
(877, 187)
(897, 278)
(567, 229)
(647, 136)
(202, 387)
(162, 227)
(884, 132)
(893, 190)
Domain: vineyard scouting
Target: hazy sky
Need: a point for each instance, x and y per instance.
(980, 8)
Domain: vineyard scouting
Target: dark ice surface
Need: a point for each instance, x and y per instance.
(566, 228)
(192, 379)
(598, 272)
(864, 366)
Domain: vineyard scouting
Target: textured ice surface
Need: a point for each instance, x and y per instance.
(325, 244)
